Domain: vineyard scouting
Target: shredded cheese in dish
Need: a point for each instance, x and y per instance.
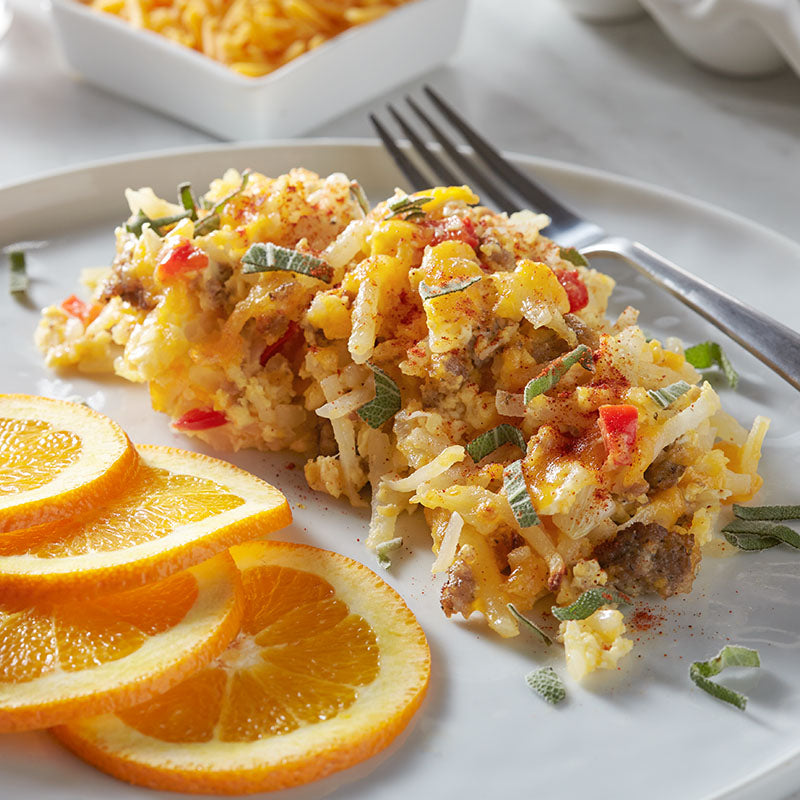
(252, 37)
(385, 344)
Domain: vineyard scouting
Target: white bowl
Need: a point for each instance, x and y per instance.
(605, 10)
(742, 38)
(726, 36)
(346, 71)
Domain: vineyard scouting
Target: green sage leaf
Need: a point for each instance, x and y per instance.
(359, 195)
(710, 354)
(757, 534)
(669, 394)
(766, 512)
(488, 442)
(141, 219)
(518, 497)
(573, 255)
(546, 683)
(267, 257)
(532, 626)
(186, 199)
(408, 207)
(212, 222)
(701, 672)
(589, 602)
(384, 548)
(385, 404)
(429, 292)
(18, 273)
(557, 369)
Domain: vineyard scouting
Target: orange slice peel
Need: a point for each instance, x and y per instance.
(57, 459)
(180, 509)
(59, 662)
(328, 668)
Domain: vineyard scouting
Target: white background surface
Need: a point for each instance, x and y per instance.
(535, 80)
(615, 97)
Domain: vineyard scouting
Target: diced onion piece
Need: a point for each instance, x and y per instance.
(345, 247)
(449, 543)
(706, 405)
(751, 451)
(509, 405)
(449, 456)
(365, 322)
(347, 403)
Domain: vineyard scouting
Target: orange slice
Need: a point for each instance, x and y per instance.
(179, 509)
(73, 659)
(328, 668)
(57, 459)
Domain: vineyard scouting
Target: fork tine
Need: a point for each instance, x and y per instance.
(475, 173)
(413, 175)
(436, 164)
(534, 194)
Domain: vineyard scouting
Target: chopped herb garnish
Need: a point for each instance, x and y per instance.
(518, 497)
(488, 442)
(766, 512)
(557, 370)
(730, 656)
(386, 402)
(573, 255)
(384, 548)
(408, 207)
(589, 602)
(546, 683)
(709, 354)
(220, 203)
(754, 534)
(359, 195)
(18, 274)
(530, 625)
(186, 199)
(261, 257)
(212, 221)
(141, 219)
(669, 394)
(207, 224)
(429, 292)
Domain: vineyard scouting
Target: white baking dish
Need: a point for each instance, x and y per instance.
(348, 70)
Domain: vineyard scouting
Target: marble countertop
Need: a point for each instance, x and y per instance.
(529, 75)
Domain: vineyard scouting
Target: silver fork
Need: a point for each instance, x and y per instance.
(768, 340)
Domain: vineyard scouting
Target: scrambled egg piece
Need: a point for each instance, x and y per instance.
(596, 642)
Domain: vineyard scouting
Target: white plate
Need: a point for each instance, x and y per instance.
(347, 70)
(644, 731)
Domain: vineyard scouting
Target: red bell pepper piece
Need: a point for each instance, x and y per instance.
(619, 425)
(291, 331)
(200, 419)
(75, 307)
(575, 288)
(455, 229)
(183, 257)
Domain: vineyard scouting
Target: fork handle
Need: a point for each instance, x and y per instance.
(768, 340)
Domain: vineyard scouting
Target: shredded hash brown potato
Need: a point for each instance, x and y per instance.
(280, 360)
(252, 37)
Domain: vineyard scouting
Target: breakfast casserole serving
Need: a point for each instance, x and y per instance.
(451, 357)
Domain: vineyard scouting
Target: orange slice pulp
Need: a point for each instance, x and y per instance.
(179, 509)
(57, 459)
(328, 668)
(58, 662)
